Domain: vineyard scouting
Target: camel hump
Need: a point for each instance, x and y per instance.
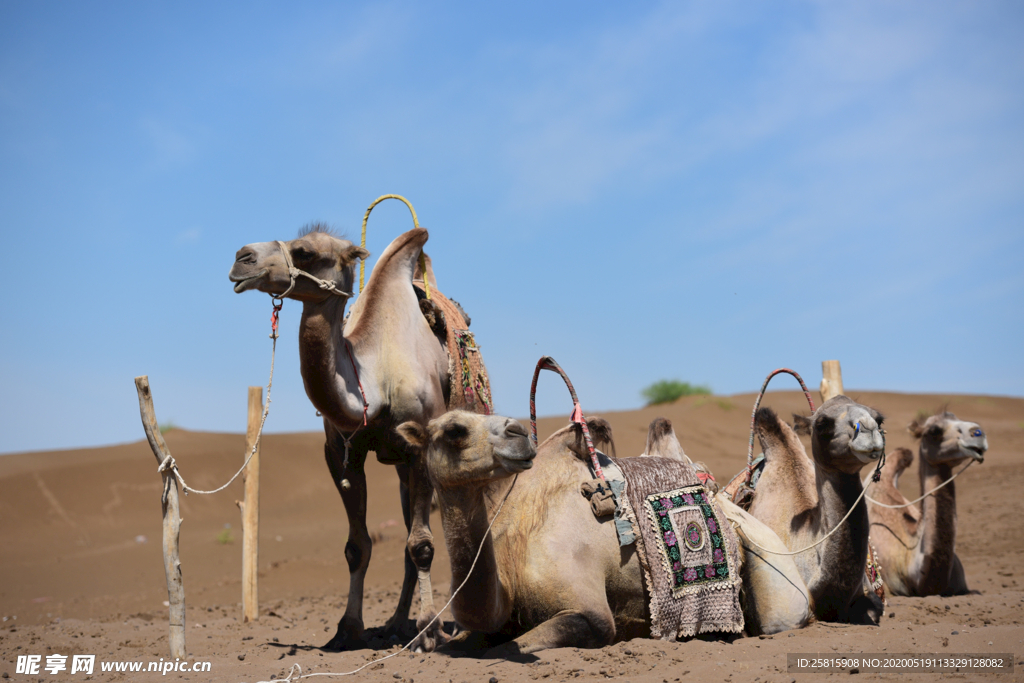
(662, 441)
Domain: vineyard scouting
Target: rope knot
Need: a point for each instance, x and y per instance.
(167, 464)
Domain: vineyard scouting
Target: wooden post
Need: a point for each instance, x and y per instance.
(831, 380)
(172, 520)
(250, 508)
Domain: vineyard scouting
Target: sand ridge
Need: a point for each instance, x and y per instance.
(83, 574)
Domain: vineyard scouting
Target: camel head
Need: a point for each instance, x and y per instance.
(845, 435)
(947, 440)
(464, 448)
(264, 265)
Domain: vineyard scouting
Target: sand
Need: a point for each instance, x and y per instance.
(81, 569)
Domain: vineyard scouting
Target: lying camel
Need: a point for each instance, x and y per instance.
(917, 546)
(775, 597)
(804, 501)
(550, 573)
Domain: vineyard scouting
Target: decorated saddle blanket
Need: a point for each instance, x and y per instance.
(688, 550)
(470, 385)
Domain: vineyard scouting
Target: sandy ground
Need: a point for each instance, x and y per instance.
(81, 569)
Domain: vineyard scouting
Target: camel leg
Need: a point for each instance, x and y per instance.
(420, 547)
(395, 626)
(957, 579)
(866, 609)
(359, 546)
(568, 628)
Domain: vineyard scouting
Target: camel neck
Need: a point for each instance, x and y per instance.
(327, 373)
(483, 604)
(936, 548)
(837, 493)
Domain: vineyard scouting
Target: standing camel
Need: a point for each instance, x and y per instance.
(550, 573)
(804, 501)
(917, 546)
(378, 368)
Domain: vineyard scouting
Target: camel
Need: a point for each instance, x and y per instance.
(775, 597)
(917, 546)
(803, 501)
(550, 573)
(403, 375)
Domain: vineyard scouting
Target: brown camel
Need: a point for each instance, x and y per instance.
(804, 501)
(917, 546)
(403, 371)
(550, 574)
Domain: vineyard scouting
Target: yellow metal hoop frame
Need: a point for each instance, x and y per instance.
(415, 222)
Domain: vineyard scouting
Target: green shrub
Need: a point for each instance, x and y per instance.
(668, 390)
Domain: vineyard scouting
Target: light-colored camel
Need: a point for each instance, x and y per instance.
(804, 501)
(775, 597)
(403, 370)
(550, 573)
(917, 546)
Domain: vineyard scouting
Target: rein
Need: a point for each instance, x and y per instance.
(918, 500)
(548, 363)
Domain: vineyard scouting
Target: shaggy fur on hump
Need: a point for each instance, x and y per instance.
(317, 226)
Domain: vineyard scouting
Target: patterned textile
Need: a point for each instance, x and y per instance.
(874, 573)
(470, 386)
(687, 549)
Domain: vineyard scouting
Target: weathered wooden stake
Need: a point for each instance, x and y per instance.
(831, 380)
(250, 508)
(172, 520)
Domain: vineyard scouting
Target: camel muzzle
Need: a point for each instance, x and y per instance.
(243, 283)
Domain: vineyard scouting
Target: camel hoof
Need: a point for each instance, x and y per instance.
(348, 637)
(431, 638)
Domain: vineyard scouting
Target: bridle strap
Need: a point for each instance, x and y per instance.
(294, 273)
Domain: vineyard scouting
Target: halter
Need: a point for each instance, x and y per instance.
(294, 273)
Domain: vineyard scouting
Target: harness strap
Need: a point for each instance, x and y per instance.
(294, 273)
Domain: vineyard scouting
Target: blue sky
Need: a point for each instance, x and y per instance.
(702, 191)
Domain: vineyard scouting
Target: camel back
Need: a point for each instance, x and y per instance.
(469, 384)
(688, 550)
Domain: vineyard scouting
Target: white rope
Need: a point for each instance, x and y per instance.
(293, 272)
(824, 538)
(170, 464)
(918, 500)
(295, 673)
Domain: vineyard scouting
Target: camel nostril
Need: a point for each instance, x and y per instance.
(245, 255)
(513, 428)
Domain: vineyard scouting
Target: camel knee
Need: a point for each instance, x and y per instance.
(422, 553)
(357, 556)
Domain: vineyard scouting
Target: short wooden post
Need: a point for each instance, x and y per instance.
(172, 520)
(250, 508)
(831, 379)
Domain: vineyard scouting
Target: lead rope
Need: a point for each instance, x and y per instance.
(875, 475)
(918, 500)
(170, 464)
(295, 673)
(416, 224)
(548, 363)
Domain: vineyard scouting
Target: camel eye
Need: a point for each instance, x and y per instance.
(454, 432)
(302, 254)
(856, 430)
(977, 432)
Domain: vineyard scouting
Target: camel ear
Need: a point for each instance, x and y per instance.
(352, 253)
(916, 428)
(801, 424)
(414, 435)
